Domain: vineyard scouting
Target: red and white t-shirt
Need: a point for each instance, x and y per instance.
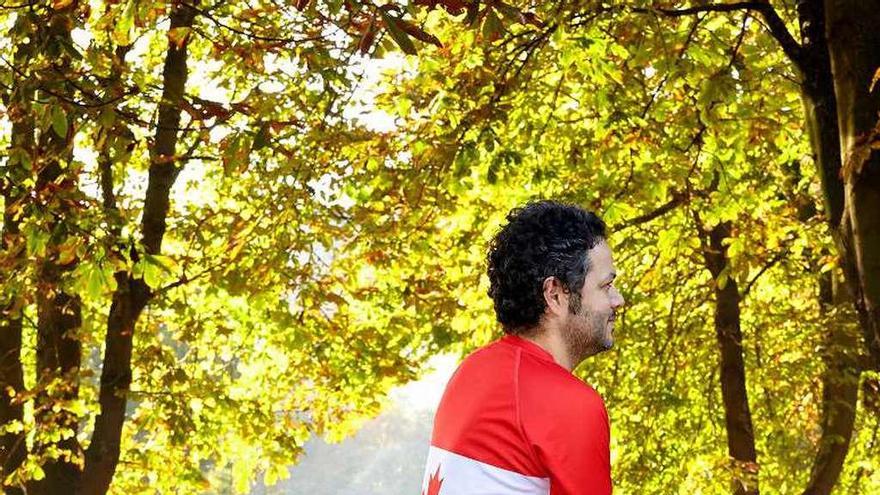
(513, 421)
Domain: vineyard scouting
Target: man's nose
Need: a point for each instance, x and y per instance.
(617, 300)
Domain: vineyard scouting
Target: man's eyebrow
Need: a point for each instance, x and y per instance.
(611, 276)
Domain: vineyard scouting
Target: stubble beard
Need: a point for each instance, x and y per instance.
(585, 333)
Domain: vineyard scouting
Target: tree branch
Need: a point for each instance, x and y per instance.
(132, 295)
(775, 24)
(766, 267)
(677, 199)
(252, 36)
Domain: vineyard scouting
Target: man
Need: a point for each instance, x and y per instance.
(513, 418)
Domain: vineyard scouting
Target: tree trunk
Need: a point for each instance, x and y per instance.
(132, 295)
(840, 376)
(13, 448)
(58, 361)
(840, 391)
(58, 352)
(853, 41)
(737, 414)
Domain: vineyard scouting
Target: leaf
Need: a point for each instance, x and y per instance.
(70, 48)
(157, 269)
(94, 282)
(61, 4)
(397, 33)
(67, 251)
(367, 39)
(261, 139)
(492, 27)
(473, 11)
(59, 121)
(419, 33)
(723, 277)
(37, 239)
(122, 30)
(454, 7)
(37, 472)
(178, 36)
(95, 279)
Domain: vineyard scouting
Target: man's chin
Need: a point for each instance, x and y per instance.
(609, 337)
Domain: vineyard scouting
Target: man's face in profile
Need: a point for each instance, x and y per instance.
(589, 328)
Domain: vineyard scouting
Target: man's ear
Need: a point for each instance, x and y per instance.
(555, 296)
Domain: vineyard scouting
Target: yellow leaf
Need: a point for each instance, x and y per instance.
(874, 81)
(178, 36)
(61, 4)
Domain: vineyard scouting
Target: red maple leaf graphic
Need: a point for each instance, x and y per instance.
(434, 483)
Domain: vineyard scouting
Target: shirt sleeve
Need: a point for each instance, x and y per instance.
(570, 435)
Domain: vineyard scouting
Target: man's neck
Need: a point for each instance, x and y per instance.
(551, 342)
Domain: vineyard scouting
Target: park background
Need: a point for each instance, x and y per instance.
(235, 232)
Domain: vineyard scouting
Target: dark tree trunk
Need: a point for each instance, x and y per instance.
(58, 361)
(132, 295)
(737, 414)
(13, 448)
(840, 376)
(58, 352)
(853, 41)
(840, 391)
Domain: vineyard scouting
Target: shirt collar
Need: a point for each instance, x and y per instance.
(530, 347)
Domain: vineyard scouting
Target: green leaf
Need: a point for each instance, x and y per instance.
(37, 239)
(95, 279)
(397, 33)
(59, 121)
(492, 26)
(723, 277)
(122, 31)
(261, 140)
(155, 269)
(94, 282)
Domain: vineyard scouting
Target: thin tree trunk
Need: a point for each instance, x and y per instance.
(132, 295)
(737, 414)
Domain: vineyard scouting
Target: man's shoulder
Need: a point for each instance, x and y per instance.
(550, 388)
(487, 357)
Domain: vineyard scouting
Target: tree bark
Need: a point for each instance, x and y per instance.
(840, 374)
(728, 333)
(840, 391)
(58, 351)
(13, 448)
(132, 295)
(58, 362)
(853, 41)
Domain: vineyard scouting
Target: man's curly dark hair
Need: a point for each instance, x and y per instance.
(541, 239)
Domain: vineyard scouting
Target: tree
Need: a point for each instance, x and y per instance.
(285, 266)
(678, 114)
(186, 332)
